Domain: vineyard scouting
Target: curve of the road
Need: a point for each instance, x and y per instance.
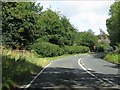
(84, 71)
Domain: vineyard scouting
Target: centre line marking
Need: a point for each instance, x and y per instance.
(81, 65)
(88, 71)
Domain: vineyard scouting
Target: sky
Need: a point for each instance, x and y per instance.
(82, 14)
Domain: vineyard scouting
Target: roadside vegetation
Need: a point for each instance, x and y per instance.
(113, 28)
(20, 66)
(31, 38)
(112, 57)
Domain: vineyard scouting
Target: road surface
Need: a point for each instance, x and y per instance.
(84, 71)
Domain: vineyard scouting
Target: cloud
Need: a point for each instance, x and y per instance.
(83, 14)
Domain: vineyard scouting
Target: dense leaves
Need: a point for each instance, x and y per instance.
(26, 26)
(76, 49)
(47, 49)
(49, 34)
(113, 23)
(57, 28)
(19, 23)
(101, 47)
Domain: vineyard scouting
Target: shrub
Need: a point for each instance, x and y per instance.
(47, 49)
(76, 49)
(101, 47)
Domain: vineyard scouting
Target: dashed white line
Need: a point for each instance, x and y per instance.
(81, 65)
(27, 86)
(88, 71)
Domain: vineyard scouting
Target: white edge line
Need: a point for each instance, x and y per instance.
(88, 71)
(28, 85)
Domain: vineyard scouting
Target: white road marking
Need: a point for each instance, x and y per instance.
(27, 86)
(81, 65)
(88, 71)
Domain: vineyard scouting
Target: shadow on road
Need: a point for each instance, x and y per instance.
(113, 66)
(99, 55)
(69, 78)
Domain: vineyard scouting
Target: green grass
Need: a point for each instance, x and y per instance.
(112, 57)
(19, 66)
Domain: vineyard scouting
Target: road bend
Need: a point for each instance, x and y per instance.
(78, 72)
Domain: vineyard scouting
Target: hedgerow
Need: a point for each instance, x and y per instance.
(76, 49)
(47, 49)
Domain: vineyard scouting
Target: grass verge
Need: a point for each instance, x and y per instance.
(112, 57)
(19, 67)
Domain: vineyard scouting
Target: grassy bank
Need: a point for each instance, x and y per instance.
(18, 67)
(112, 57)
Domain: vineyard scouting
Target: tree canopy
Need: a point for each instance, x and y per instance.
(24, 23)
(19, 23)
(113, 23)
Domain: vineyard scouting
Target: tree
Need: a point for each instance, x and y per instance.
(19, 23)
(56, 27)
(88, 39)
(113, 23)
(69, 31)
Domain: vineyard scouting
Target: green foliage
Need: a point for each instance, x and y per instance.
(46, 33)
(113, 23)
(49, 23)
(24, 24)
(101, 47)
(112, 57)
(47, 49)
(69, 32)
(76, 49)
(19, 23)
(57, 28)
(19, 70)
(86, 39)
(19, 66)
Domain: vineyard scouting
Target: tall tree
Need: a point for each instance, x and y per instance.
(88, 39)
(113, 23)
(56, 28)
(69, 31)
(19, 23)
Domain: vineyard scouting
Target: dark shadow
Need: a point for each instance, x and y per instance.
(113, 66)
(57, 78)
(20, 72)
(98, 55)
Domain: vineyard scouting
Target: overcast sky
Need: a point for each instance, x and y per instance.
(82, 14)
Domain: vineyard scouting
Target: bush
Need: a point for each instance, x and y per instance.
(101, 47)
(76, 49)
(47, 49)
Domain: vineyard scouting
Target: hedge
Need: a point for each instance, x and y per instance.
(47, 49)
(76, 49)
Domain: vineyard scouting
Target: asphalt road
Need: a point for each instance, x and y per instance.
(85, 71)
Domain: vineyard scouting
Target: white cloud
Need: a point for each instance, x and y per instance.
(83, 14)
